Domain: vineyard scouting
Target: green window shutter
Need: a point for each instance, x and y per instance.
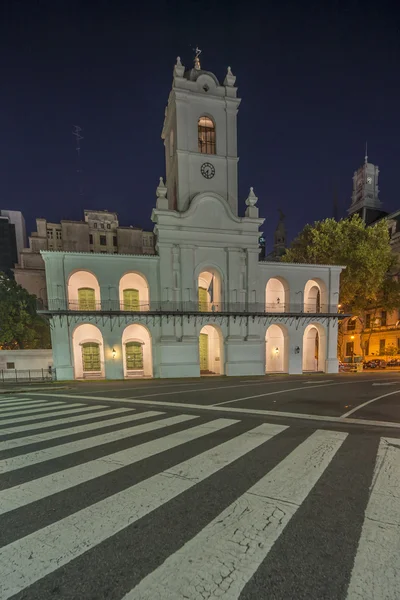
(203, 348)
(91, 356)
(134, 356)
(131, 300)
(203, 299)
(86, 299)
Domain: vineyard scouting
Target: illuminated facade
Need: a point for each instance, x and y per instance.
(205, 303)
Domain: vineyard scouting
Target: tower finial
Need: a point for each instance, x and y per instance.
(366, 152)
(197, 58)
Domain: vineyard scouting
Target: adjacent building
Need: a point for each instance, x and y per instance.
(99, 232)
(8, 245)
(204, 303)
(381, 329)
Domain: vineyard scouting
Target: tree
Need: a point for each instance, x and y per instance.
(369, 281)
(20, 326)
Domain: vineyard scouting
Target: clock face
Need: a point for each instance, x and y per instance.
(369, 179)
(207, 170)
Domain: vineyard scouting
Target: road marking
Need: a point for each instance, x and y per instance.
(70, 410)
(388, 383)
(276, 392)
(317, 381)
(9, 412)
(100, 413)
(32, 458)
(353, 410)
(221, 559)
(57, 434)
(31, 417)
(24, 494)
(377, 562)
(244, 411)
(36, 555)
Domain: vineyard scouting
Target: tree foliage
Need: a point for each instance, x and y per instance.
(21, 327)
(367, 281)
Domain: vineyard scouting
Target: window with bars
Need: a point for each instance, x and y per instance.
(134, 356)
(206, 134)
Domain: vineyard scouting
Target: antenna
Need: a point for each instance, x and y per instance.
(366, 152)
(77, 134)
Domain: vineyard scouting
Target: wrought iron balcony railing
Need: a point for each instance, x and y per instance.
(61, 305)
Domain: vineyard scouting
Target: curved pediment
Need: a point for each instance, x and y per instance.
(208, 209)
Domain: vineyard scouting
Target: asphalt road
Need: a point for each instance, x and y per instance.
(202, 489)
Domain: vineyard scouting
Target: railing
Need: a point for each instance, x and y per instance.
(25, 375)
(59, 305)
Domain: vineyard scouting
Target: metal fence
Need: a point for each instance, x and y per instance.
(26, 375)
(193, 306)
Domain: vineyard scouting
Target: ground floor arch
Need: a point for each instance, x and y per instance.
(314, 348)
(88, 352)
(276, 349)
(137, 351)
(211, 357)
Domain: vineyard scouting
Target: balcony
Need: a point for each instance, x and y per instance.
(55, 306)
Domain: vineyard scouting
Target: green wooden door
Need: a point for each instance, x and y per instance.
(134, 356)
(131, 300)
(86, 299)
(203, 346)
(203, 299)
(91, 357)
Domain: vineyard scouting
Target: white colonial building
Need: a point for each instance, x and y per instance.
(204, 303)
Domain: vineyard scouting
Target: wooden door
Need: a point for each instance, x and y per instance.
(91, 357)
(203, 345)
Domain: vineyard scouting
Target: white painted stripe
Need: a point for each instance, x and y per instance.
(71, 410)
(353, 410)
(32, 458)
(377, 564)
(37, 489)
(99, 414)
(220, 560)
(57, 434)
(276, 392)
(30, 558)
(44, 415)
(241, 411)
(17, 411)
(18, 401)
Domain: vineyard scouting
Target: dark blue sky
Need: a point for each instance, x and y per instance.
(316, 81)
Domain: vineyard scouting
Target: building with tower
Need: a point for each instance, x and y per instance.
(365, 197)
(204, 303)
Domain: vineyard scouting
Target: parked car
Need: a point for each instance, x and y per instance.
(395, 362)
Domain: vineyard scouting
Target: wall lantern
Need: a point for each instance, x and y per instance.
(113, 353)
(297, 350)
(276, 350)
(352, 337)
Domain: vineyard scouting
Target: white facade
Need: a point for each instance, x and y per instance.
(24, 360)
(204, 303)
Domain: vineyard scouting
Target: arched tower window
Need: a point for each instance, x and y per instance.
(206, 131)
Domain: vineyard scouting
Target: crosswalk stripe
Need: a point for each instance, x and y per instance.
(377, 562)
(30, 558)
(24, 494)
(71, 410)
(220, 560)
(30, 413)
(32, 458)
(10, 411)
(20, 402)
(100, 413)
(57, 434)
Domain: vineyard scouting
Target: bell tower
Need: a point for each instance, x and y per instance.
(365, 197)
(200, 136)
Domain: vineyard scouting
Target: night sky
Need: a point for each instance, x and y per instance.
(316, 82)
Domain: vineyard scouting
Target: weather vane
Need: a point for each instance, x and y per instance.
(197, 58)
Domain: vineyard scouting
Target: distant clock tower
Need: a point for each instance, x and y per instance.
(365, 197)
(200, 136)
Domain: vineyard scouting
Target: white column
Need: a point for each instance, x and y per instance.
(331, 362)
